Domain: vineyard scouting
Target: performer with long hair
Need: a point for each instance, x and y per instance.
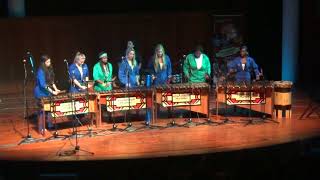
(79, 73)
(160, 66)
(45, 85)
(129, 70)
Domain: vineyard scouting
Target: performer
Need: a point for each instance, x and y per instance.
(102, 73)
(45, 86)
(137, 55)
(196, 66)
(160, 66)
(129, 70)
(79, 73)
(243, 67)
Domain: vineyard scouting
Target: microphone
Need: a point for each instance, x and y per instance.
(31, 61)
(67, 64)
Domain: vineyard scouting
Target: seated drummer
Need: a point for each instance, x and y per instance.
(160, 66)
(102, 73)
(129, 70)
(243, 67)
(45, 86)
(196, 66)
(79, 73)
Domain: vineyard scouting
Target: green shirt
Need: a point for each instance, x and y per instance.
(99, 74)
(192, 72)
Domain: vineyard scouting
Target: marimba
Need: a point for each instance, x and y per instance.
(189, 96)
(124, 99)
(238, 94)
(67, 104)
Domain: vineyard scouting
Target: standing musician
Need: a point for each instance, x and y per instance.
(79, 73)
(129, 70)
(160, 66)
(102, 73)
(243, 67)
(45, 86)
(196, 66)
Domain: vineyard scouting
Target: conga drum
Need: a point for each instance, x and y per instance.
(282, 99)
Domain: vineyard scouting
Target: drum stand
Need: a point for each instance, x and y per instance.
(129, 127)
(225, 119)
(250, 120)
(114, 125)
(263, 119)
(208, 121)
(173, 123)
(55, 135)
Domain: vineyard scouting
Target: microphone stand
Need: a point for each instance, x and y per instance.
(76, 149)
(27, 139)
(250, 120)
(208, 120)
(189, 122)
(90, 131)
(114, 125)
(129, 127)
(173, 123)
(55, 135)
(225, 118)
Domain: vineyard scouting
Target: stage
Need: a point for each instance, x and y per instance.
(148, 143)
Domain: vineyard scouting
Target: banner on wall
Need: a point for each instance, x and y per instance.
(228, 35)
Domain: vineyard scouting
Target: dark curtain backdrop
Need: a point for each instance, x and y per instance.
(61, 37)
(179, 28)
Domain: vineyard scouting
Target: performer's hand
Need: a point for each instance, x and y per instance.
(83, 87)
(257, 77)
(55, 92)
(153, 77)
(168, 81)
(207, 77)
(232, 71)
(108, 84)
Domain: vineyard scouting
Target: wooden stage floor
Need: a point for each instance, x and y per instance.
(202, 139)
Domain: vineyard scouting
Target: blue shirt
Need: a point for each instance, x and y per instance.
(126, 71)
(40, 89)
(243, 74)
(75, 74)
(163, 74)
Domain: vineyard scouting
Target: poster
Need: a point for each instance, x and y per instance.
(228, 35)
